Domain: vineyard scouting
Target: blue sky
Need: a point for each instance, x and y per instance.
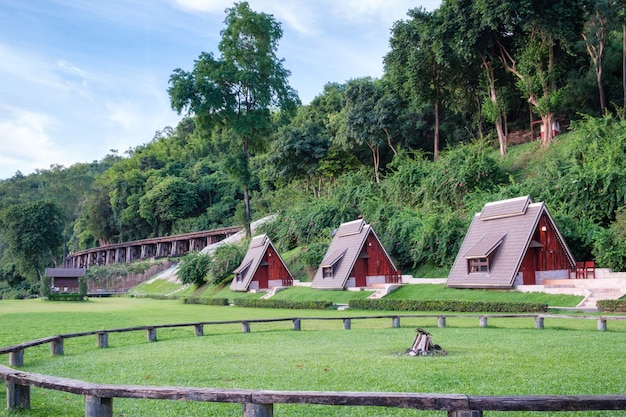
(79, 78)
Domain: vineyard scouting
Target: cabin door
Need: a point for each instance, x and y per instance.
(528, 267)
(360, 272)
(262, 277)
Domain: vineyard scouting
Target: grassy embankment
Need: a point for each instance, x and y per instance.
(510, 357)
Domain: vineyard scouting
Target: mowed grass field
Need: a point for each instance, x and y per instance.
(510, 357)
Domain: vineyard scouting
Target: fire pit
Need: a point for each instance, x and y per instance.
(423, 345)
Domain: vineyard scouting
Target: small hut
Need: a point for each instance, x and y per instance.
(65, 280)
(355, 258)
(511, 242)
(262, 268)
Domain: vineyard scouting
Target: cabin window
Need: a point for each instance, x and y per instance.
(238, 277)
(327, 272)
(478, 265)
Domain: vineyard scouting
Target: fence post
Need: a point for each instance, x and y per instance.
(296, 324)
(245, 327)
(56, 346)
(395, 322)
(16, 358)
(602, 324)
(346, 324)
(465, 413)
(441, 321)
(199, 329)
(483, 321)
(151, 334)
(18, 396)
(98, 406)
(539, 322)
(103, 340)
(258, 410)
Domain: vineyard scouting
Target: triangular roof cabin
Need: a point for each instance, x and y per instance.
(262, 268)
(355, 258)
(511, 242)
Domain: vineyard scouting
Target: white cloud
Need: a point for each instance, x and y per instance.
(25, 141)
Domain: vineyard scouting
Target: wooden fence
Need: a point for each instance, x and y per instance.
(260, 403)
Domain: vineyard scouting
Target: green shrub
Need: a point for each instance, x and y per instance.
(610, 245)
(65, 297)
(225, 259)
(313, 254)
(288, 304)
(206, 301)
(194, 268)
(612, 306)
(456, 306)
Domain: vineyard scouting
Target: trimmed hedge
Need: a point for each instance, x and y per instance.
(456, 306)
(206, 301)
(66, 297)
(612, 306)
(311, 305)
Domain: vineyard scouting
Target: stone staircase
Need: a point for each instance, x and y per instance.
(606, 288)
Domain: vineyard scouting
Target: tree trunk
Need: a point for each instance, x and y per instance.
(493, 96)
(624, 72)
(546, 121)
(436, 138)
(246, 200)
(601, 89)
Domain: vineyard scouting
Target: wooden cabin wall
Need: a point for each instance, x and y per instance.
(552, 256)
(378, 261)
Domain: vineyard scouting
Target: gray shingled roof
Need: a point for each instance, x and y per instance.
(251, 261)
(65, 272)
(342, 254)
(504, 229)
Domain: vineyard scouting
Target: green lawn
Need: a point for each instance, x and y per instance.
(441, 292)
(510, 357)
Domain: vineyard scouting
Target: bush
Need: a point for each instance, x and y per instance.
(612, 306)
(456, 306)
(225, 259)
(206, 301)
(610, 246)
(194, 268)
(66, 297)
(288, 304)
(313, 254)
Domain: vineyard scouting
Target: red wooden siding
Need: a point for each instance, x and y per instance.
(552, 255)
(378, 262)
(271, 268)
(372, 261)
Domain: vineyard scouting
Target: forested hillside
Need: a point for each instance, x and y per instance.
(416, 152)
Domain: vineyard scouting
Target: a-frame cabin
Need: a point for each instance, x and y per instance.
(355, 258)
(511, 242)
(262, 268)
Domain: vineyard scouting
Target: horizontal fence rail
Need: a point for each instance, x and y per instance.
(259, 403)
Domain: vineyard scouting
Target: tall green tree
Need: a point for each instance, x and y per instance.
(595, 35)
(418, 64)
(237, 91)
(369, 113)
(34, 232)
(534, 38)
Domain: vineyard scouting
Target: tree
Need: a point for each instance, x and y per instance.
(368, 115)
(238, 91)
(34, 232)
(533, 38)
(168, 200)
(475, 44)
(595, 36)
(418, 64)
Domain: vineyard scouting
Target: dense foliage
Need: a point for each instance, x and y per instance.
(448, 305)
(415, 152)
